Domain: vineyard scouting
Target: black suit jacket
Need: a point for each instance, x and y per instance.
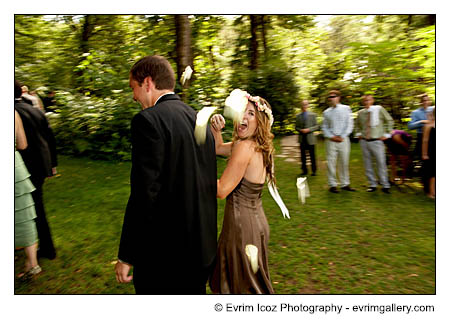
(170, 223)
(40, 154)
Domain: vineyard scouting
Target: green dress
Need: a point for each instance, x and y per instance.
(25, 233)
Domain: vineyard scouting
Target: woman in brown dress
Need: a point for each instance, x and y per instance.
(241, 265)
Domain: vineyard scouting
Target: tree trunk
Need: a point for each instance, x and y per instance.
(263, 33)
(183, 46)
(254, 42)
(86, 33)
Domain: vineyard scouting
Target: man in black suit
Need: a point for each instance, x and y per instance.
(169, 233)
(40, 160)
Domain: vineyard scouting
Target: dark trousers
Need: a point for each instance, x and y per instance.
(173, 281)
(417, 155)
(46, 247)
(304, 146)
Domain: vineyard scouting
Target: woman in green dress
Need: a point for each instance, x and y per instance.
(25, 233)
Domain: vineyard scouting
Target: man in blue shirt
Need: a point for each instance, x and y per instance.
(419, 118)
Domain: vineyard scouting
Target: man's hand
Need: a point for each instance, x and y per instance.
(122, 271)
(383, 138)
(337, 139)
(304, 130)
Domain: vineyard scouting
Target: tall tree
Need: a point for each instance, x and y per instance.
(254, 26)
(183, 47)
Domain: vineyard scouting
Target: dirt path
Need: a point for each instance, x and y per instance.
(290, 149)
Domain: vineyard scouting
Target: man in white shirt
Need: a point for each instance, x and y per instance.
(337, 126)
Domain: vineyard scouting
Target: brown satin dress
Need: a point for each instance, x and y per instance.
(244, 223)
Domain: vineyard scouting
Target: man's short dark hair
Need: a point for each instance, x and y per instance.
(424, 96)
(17, 89)
(335, 92)
(156, 67)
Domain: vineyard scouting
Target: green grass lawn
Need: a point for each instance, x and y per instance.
(346, 243)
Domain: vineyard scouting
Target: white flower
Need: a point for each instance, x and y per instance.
(201, 124)
(252, 254)
(235, 105)
(186, 75)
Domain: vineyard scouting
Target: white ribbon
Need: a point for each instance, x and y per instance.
(276, 196)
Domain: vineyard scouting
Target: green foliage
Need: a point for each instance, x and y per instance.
(89, 126)
(87, 58)
(274, 82)
(386, 58)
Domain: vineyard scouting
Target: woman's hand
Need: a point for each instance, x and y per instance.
(217, 122)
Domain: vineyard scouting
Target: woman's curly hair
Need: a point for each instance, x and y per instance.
(263, 138)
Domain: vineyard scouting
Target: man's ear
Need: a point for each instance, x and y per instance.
(149, 84)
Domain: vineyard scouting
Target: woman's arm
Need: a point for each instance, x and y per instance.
(426, 135)
(236, 167)
(217, 124)
(21, 139)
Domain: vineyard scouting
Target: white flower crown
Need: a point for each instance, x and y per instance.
(261, 106)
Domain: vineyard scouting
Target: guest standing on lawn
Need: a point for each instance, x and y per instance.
(306, 125)
(429, 155)
(25, 232)
(337, 126)
(373, 126)
(41, 161)
(419, 118)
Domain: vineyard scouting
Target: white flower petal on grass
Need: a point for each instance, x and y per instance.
(235, 105)
(252, 254)
(186, 75)
(201, 124)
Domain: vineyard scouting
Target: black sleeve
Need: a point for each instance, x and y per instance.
(148, 150)
(48, 136)
(52, 145)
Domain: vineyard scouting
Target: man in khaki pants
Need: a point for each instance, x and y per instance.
(374, 125)
(337, 126)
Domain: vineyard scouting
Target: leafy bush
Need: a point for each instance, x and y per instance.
(89, 126)
(275, 83)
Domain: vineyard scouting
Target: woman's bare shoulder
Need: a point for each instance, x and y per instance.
(246, 144)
